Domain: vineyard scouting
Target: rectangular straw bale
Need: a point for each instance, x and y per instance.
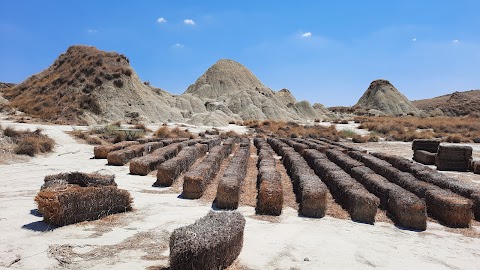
(323, 166)
(445, 165)
(313, 196)
(270, 195)
(244, 142)
(454, 152)
(462, 188)
(429, 145)
(408, 209)
(197, 178)
(211, 143)
(424, 157)
(379, 166)
(168, 171)
(77, 204)
(80, 179)
(212, 242)
(378, 185)
(476, 167)
(382, 155)
(147, 140)
(343, 160)
(412, 184)
(357, 155)
(310, 155)
(144, 165)
(101, 152)
(449, 208)
(362, 205)
(228, 191)
(475, 197)
(121, 157)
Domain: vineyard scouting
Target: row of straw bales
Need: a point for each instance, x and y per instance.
(123, 156)
(310, 191)
(360, 204)
(170, 170)
(269, 182)
(228, 191)
(197, 179)
(101, 152)
(426, 174)
(79, 179)
(145, 164)
(456, 211)
(407, 208)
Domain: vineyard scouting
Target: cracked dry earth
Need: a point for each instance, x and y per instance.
(139, 239)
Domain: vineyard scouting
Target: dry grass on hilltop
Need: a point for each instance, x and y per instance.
(449, 129)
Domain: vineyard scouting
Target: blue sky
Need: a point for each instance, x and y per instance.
(323, 51)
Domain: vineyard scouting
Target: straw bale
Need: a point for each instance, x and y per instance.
(454, 152)
(212, 143)
(270, 195)
(228, 191)
(212, 242)
(322, 166)
(170, 170)
(56, 183)
(362, 205)
(76, 204)
(450, 208)
(101, 152)
(444, 165)
(412, 184)
(121, 157)
(379, 166)
(443, 181)
(146, 164)
(310, 155)
(407, 208)
(424, 157)
(378, 185)
(429, 145)
(244, 142)
(357, 155)
(475, 197)
(80, 179)
(476, 167)
(343, 160)
(147, 140)
(198, 178)
(313, 196)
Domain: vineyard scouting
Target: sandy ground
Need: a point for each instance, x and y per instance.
(139, 239)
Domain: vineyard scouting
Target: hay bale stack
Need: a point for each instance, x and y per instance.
(80, 179)
(429, 145)
(462, 188)
(343, 160)
(170, 170)
(449, 208)
(197, 179)
(76, 204)
(244, 142)
(122, 157)
(476, 167)
(211, 143)
(270, 192)
(101, 152)
(231, 141)
(144, 165)
(453, 158)
(424, 157)
(212, 242)
(228, 191)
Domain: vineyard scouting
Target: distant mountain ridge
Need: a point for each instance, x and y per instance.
(455, 104)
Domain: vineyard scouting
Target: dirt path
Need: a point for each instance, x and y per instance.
(248, 195)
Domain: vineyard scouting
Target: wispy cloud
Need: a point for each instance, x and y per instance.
(414, 39)
(161, 20)
(92, 31)
(455, 41)
(178, 45)
(307, 34)
(189, 22)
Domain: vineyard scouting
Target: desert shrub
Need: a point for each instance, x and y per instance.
(118, 83)
(166, 132)
(119, 137)
(359, 139)
(29, 142)
(128, 72)
(229, 134)
(93, 140)
(455, 138)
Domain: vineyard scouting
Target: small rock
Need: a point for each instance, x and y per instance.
(306, 259)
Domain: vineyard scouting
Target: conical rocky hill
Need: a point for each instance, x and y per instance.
(87, 85)
(233, 90)
(384, 97)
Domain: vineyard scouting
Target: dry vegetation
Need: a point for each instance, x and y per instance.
(26, 142)
(173, 133)
(293, 130)
(449, 129)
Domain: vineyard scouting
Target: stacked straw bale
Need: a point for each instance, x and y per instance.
(101, 152)
(147, 140)
(67, 205)
(429, 145)
(197, 179)
(144, 165)
(123, 156)
(476, 167)
(448, 207)
(212, 242)
(78, 179)
(170, 170)
(310, 191)
(424, 157)
(228, 191)
(453, 158)
(343, 160)
(269, 183)
(210, 143)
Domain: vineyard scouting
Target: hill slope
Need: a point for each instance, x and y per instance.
(455, 104)
(381, 95)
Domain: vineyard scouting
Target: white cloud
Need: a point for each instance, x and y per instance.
(178, 45)
(161, 20)
(189, 21)
(455, 41)
(414, 39)
(92, 31)
(307, 34)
